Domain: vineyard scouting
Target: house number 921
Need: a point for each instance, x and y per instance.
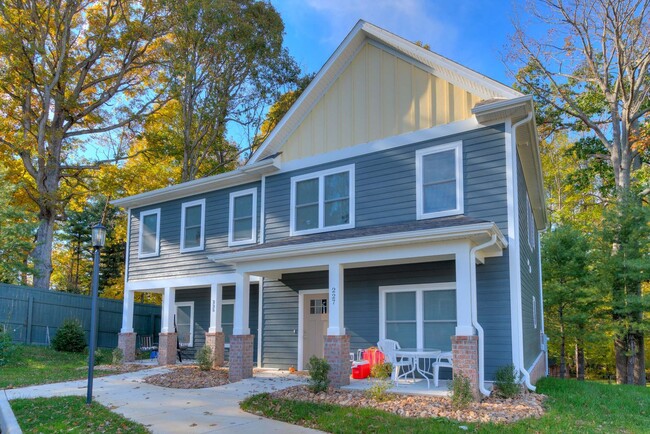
(333, 295)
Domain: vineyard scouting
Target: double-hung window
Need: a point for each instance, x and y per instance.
(322, 201)
(418, 316)
(149, 240)
(439, 180)
(243, 220)
(193, 226)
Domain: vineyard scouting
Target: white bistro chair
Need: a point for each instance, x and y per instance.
(389, 347)
(444, 360)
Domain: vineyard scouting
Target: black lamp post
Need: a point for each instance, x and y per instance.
(98, 239)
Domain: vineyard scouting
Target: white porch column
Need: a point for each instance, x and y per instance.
(463, 293)
(335, 303)
(127, 311)
(242, 303)
(215, 308)
(168, 310)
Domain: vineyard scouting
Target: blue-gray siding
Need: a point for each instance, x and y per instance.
(280, 312)
(385, 183)
(171, 262)
(529, 279)
(201, 299)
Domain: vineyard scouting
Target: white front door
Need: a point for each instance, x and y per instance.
(314, 326)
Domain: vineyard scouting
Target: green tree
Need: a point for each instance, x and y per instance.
(72, 71)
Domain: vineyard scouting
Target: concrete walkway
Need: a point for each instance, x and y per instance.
(164, 410)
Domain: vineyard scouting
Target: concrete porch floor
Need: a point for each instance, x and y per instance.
(406, 387)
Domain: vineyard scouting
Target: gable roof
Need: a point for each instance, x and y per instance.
(456, 74)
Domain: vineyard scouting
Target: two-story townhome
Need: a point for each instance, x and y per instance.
(400, 197)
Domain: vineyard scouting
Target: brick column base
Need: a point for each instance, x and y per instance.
(465, 356)
(167, 349)
(240, 357)
(216, 341)
(337, 354)
(126, 342)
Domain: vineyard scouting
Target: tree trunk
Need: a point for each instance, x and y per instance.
(639, 362)
(620, 348)
(580, 360)
(562, 348)
(42, 253)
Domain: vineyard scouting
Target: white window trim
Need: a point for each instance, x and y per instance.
(231, 215)
(456, 146)
(143, 214)
(534, 313)
(419, 303)
(321, 200)
(201, 245)
(530, 224)
(223, 303)
(191, 305)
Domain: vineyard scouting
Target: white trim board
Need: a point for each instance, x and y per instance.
(184, 282)
(301, 312)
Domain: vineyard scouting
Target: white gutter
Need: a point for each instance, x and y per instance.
(474, 309)
(520, 362)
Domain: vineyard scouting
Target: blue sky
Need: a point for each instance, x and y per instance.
(473, 33)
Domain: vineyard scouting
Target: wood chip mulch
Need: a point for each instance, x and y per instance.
(190, 377)
(492, 409)
(121, 369)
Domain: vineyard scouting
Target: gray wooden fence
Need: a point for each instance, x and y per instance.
(31, 314)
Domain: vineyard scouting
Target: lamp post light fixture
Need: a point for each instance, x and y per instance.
(98, 240)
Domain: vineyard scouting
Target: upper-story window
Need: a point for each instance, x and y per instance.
(530, 224)
(149, 242)
(193, 226)
(322, 201)
(243, 217)
(439, 180)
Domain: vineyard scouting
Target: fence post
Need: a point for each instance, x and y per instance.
(30, 317)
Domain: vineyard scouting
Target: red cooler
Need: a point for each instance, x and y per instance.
(373, 356)
(360, 370)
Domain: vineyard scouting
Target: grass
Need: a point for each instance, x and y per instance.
(572, 407)
(70, 414)
(30, 365)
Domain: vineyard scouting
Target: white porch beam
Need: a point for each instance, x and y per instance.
(127, 312)
(463, 293)
(216, 291)
(242, 303)
(168, 310)
(335, 303)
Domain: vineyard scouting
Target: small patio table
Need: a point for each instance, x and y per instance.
(417, 354)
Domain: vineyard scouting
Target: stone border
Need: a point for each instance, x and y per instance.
(8, 422)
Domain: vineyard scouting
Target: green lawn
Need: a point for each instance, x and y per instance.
(70, 414)
(572, 407)
(31, 365)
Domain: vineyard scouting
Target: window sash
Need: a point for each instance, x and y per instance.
(149, 234)
(192, 232)
(439, 190)
(242, 217)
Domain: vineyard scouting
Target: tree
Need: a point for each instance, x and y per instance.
(591, 73)
(70, 70)
(226, 65)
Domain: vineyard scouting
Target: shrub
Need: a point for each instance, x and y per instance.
(318, 370)
(7, 346)
(69, 337)
(461, 392)
(117, 356)
(204, 358)
(381, 370)
(507, 381)
(378, 390)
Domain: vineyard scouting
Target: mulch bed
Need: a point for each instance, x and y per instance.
(121, 369)
(190, 377)
(491, 409)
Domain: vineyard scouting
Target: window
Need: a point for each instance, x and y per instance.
(192, 226)
(322, 201)
(227, 319)
(149, 243)
(530, 224)
(243, 216)
(185, 323)
(439, 180)
(418, 316)
(534, 312)
(318, 307)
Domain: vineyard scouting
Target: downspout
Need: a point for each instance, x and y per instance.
(475, 323)
(521, 367)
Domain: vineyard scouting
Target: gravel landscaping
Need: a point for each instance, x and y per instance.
(492, 409)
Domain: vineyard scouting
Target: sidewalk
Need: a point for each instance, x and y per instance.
(164, 410)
